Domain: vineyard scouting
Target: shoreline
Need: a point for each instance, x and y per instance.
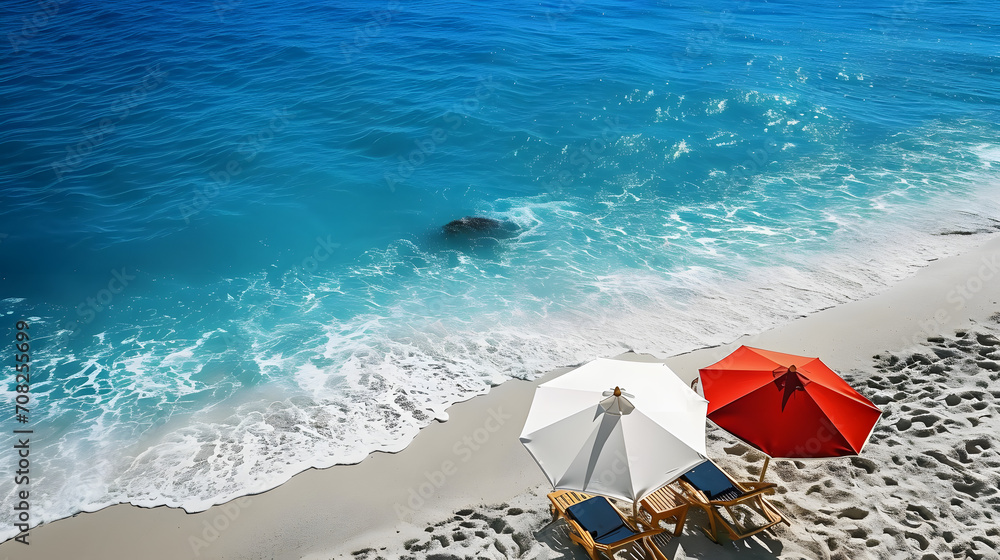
(475, 457)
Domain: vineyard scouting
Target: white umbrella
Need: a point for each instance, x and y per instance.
(616, 428)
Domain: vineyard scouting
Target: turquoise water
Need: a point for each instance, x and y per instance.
(223, 221)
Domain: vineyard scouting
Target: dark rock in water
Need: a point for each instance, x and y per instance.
(470, 224)
(477, 226)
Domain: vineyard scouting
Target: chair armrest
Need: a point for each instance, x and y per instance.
(743, 498)
(759, 485)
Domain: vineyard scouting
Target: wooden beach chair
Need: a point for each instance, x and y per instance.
(597, 525)
(716, 492)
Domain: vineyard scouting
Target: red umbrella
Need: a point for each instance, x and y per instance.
(787, 406)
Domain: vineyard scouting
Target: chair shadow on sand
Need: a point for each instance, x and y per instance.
(691, 543)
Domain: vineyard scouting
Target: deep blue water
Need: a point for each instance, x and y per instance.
(223, 220)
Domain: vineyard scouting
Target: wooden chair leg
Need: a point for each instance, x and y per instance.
(711, 531)
(679, 526)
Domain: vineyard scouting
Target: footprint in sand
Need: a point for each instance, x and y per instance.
(973, 487)
(854, 513)
(869, 466)
(987, 340)
(938, 369)
(944, 353)
(738, 449)
(875, 382)
(989, 365)
(927, 420)
(976, 446)
(921, 541)
(881, 399)
(858, 533)
(922, 511)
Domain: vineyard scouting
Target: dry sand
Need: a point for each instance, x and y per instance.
(926, 487)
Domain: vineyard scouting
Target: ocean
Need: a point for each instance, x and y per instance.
(222, 222)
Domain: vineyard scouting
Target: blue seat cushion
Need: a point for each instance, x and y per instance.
(598, 517)
(713, 482)
(618, 534)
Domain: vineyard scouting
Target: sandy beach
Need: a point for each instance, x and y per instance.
(926, 351)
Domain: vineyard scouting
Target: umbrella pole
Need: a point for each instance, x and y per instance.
(635, 512)
(764, 470)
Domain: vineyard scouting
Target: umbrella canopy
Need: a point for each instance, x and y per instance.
(615, 428)
(787, 406)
